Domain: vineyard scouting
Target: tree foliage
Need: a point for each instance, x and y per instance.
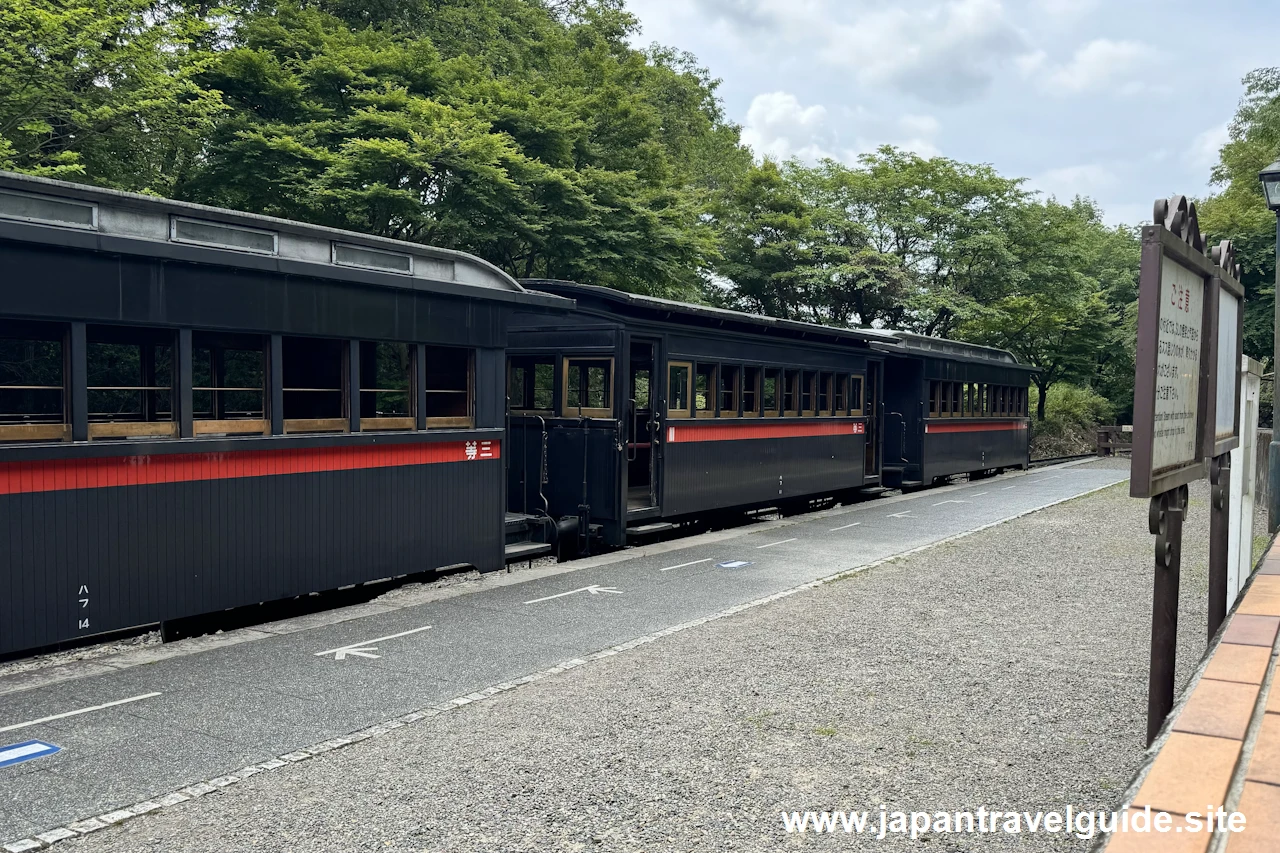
(1239, 212)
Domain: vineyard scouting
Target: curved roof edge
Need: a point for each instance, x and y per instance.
(637, 301)
(144, 217)
(961, 349)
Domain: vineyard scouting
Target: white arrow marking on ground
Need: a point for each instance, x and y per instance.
(366, 648)
(900, 514)
(77, 712)
(950, 502)
(846, 527)
(594, 589)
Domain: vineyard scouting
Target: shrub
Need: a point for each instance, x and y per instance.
(1071, 417)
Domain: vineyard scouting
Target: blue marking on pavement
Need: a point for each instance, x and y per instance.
(25, 751)
(733, 564)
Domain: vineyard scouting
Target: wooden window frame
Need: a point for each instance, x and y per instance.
(215, 425)
(467, 421)
(934, 397)
(736, 372)
(532, 384)
(687, 411)
(809, 379)
(145, 337)
(43, 430)
(779, 379)
(791, 379)
(341, 424)
(583, 411)
(713, 390)
(826, 383)
(840, 398)
(399, 423)
(857, 402)
(758, 390)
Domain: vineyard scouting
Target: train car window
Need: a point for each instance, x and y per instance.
(1002, 400)
(983, 403)
(641, 388)
(228, 379)
(935, 398)
(808, 392)
(791, 393)
(729, 387)
(842, 395)
(955, 399)
(387, 400)
(751, 392)
(824, 394)
(32, 390)
(531, 382)
(678, 381)
(944, 399)
(130, 383)
(315, 398)
(855, 395)
(704, 391)
(772, 392)
(588, 387)
(965, 403)
(449, 373)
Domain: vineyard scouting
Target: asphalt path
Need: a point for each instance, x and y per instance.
(140, 732)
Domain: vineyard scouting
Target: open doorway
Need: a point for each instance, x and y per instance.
(641, 428)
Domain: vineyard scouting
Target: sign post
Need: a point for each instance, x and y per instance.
(1171, 412)
(1222, 427)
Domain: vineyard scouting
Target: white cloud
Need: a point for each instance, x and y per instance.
(1067, 182)
(942, 53)
(1065, 10)
(1098, 64)
(938, 50)
(780, 127)
(1202, 153)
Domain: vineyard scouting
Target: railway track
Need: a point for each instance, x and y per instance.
(1057, 460)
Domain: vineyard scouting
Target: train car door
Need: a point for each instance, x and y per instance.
(871, 468)
(643, 428)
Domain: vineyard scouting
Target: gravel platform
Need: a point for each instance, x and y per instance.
(1003, 669)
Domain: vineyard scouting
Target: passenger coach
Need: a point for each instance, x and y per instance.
(201, 409)
(952, 408)
(632, 412)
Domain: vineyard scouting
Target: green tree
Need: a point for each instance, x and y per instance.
(104, 92)
(1239, 212)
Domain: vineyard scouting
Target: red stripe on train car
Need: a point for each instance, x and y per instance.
(56, 475)
(961, 426)
(748, 429)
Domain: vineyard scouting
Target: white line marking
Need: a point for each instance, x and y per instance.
(950, 502)
(366, 648)
(1047, 479)
(594, 589)
(686, 565)
(979, 494)
(1007, 488)
(780, 542)
(77, 712)
(846, 527)
(899, 514)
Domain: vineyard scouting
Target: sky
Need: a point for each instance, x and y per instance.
(1123, 101)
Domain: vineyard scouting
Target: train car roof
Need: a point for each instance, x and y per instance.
(633, 304)
(41, 210)
(922, 345)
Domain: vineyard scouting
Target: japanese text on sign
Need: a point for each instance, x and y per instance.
(1177, 367)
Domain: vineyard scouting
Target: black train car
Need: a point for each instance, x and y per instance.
(632, 412)
(201, 409)
(952, 408)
